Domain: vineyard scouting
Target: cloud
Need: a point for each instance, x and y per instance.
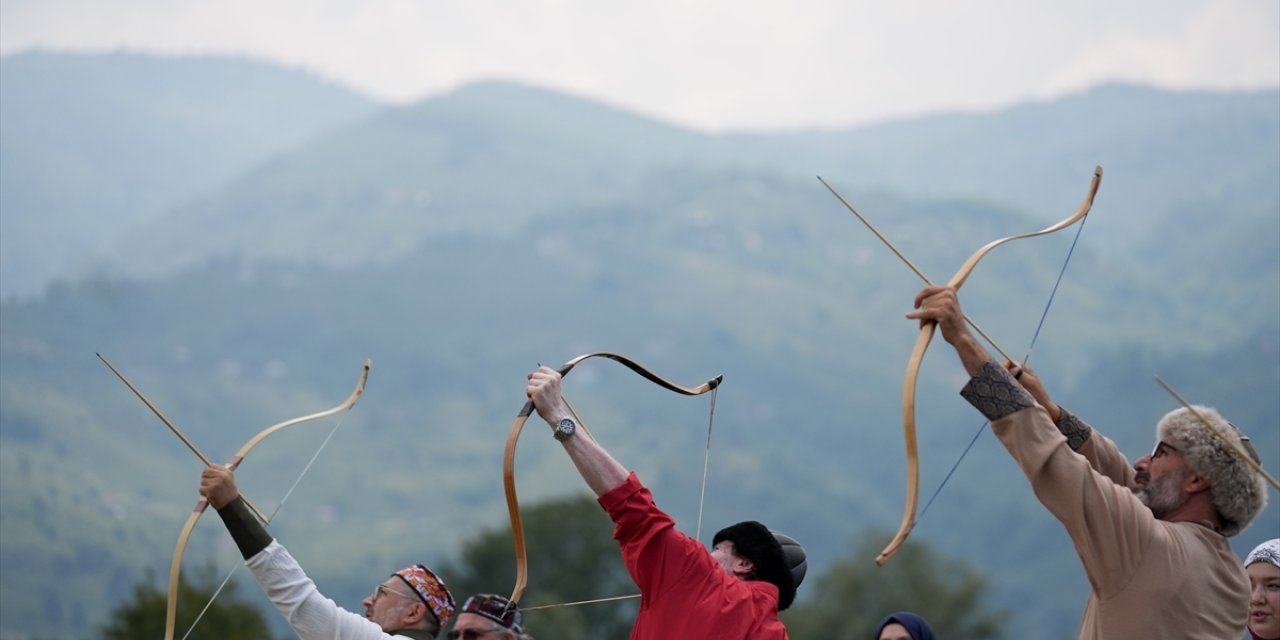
(711, 64)
(1227, 44)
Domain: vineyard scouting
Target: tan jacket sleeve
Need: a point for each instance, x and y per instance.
(1099, 450)
(1109, 527)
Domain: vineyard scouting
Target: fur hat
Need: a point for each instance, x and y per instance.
(1238, 492)
(777, 557)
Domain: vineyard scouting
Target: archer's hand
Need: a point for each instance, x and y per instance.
(941, 305)
(218, 486)
(543, 389)
(1031, 382)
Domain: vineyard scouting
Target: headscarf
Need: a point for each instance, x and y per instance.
(1268, 552)
(915, 625)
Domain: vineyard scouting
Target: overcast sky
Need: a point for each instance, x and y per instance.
(710, 64)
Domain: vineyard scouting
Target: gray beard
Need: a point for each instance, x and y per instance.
(1162, 496)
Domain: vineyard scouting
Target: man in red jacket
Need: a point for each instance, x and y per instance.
(733, 592)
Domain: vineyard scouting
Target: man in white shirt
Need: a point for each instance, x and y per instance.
(412, 604)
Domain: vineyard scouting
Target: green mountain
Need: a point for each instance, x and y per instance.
(95, 144)
(460, 241)
(1162, 150)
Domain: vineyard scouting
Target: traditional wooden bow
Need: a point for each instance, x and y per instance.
(922, 345)
(175, 567)
(513, 436)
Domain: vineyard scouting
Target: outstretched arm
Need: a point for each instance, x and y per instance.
(601, 471)
(218, 486)
(1100, 451)
(1032, 383)
(1106, 523)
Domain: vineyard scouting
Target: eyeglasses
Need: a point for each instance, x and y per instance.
(472, 634)
(497, 609)
(383, 589)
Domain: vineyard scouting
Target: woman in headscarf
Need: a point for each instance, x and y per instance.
(1263, 566)
(903, 625)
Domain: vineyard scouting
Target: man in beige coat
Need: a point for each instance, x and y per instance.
(1152, 538)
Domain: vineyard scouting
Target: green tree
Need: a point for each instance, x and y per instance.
(853, 594)
(572, 557)
(230, 617)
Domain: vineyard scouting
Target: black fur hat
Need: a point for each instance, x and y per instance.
(778, 558)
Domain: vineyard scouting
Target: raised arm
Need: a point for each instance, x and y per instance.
(600, 470)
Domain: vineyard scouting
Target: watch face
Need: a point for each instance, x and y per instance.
(565, 428)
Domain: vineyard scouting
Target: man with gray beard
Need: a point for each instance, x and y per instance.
(1152, 537)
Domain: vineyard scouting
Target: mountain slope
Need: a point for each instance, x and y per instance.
(94, 144)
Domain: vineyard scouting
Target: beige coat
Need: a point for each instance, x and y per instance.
(1149, 578)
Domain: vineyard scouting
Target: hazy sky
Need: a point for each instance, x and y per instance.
(710, 64)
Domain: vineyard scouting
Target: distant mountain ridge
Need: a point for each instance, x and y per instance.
(267, 125)
(1210, 141)
(501, 150)
(95, 144)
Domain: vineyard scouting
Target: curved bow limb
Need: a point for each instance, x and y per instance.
(922, 345)
(513, 437)
(175, 566)
(1079, 214)
(909, 437)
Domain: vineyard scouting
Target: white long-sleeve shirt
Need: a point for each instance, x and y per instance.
(311, 615)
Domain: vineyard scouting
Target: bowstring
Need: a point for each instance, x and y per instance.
(706, 462)
(298, 480)
(578, 603)
(1035, 336)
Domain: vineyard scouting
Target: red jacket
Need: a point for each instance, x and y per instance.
(684, 592)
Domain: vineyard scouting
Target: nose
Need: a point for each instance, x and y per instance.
(1142, 463)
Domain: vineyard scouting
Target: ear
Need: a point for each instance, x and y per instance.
(1194, 483)
(743, 568)
(414, 613)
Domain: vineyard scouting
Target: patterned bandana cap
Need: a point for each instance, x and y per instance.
(495, 608)
(1268, 552)
(431, 589)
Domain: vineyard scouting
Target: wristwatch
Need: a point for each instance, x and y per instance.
(564, 429)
